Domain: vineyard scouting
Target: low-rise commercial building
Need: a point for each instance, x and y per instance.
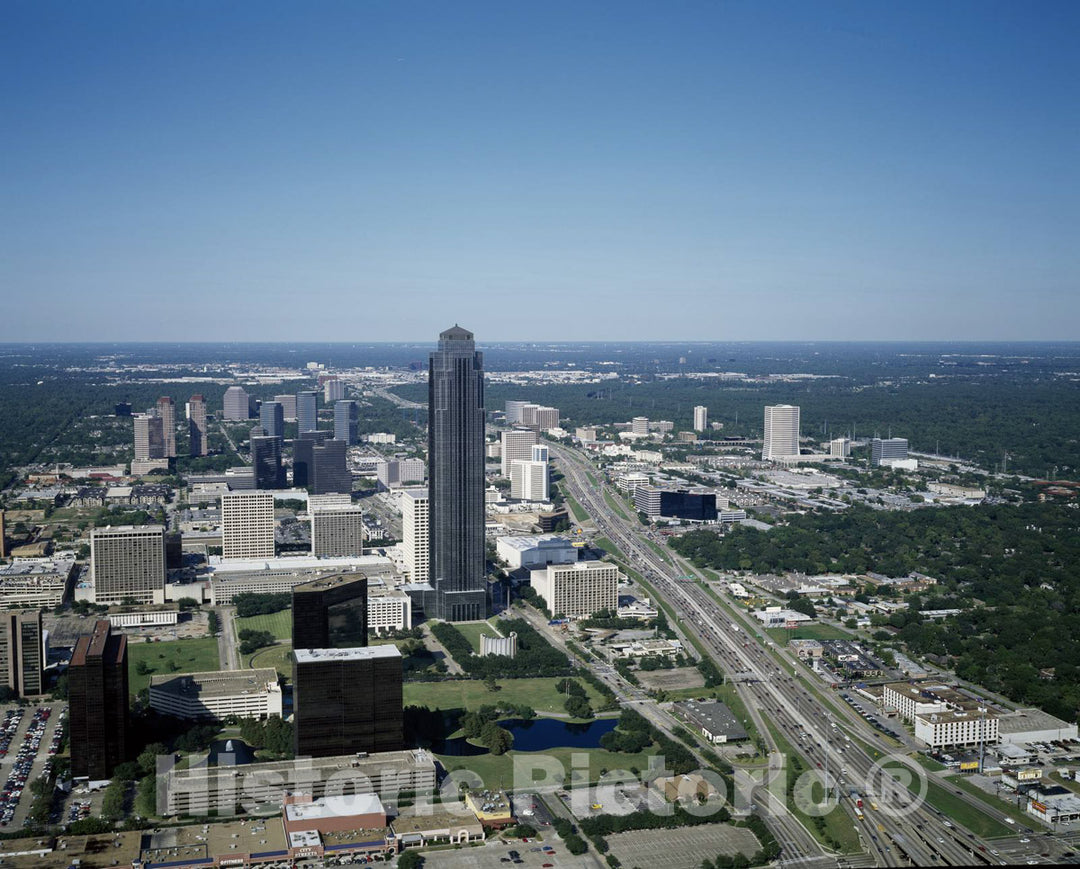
(260, 788)
(505, 646)
(218, 694)
(272, 575)
(388, 609)
(536, 552)
(36, 582)
(159, 615)
(714, 720)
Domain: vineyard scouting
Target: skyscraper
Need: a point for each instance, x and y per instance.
(345, 421)
(166, 409)
(149, 437)
(781, 432)
(307, 411)
(98, 700)
(639, 425)
(516, 444)
(333, 390)
(247, 525)
(329, 469)
(701, 417)
(22, 652)
(237, 404)
(415, 537)
(330, 612)
(128, 562)
(272, 419)
(197, 426)
(304, 456)
(456, 478)
(266, 460)
(288, 405)
(513, 411)
(336, 530)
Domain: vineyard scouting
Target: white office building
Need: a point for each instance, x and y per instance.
(529, 480)
(389, 609)
(701, 418)
(237, 404)
(578, 590)
(516, 446)
(781, 432)
(415, 534)
(229, 578)
(247, 525)
(513, 412)
(639, 425)
(840, 448)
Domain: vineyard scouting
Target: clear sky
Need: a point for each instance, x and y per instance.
(539, 170)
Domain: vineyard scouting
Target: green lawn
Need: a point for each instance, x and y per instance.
(1009, 808)
(498, 772)
(966, 816)
(927, 762)
(175, 656)
(616, 505)
(580, 516)
(472, 631)
(277, 657)
(807, 632)
(279, 624)
(609, 547)
(540, 694)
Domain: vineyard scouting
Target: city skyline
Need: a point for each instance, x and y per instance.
(792, 171)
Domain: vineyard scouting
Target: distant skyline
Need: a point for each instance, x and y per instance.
(700, 171)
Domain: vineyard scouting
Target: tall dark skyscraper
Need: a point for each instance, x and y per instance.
(330, 613)
(266, 460)
(304, 456)
(345, 420)
(330, 470)
(98, 696)
(456, 479)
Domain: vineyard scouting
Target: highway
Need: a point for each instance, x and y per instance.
(823, 734)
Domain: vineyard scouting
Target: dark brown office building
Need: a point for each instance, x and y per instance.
(347, 700)
(330, 613)
(98, 701)
(22, 652)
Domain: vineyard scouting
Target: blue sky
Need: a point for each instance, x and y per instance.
(539, 170)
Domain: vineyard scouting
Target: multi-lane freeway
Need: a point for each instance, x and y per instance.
(893, 830)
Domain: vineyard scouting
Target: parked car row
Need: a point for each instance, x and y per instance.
(23, 764)
(12, 719)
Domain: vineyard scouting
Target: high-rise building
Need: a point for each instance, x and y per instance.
(122, 409)
(337, 531)
(266, 460)
(540, 453)
(247, 525)
(329, 468)
(166, 409)
(307, 411)
(347, 701)
(272, 419)
(639, 425)
(345, 421)
(304, 456)
(288, 406)
(547, 418)
(128, 562)
(513, 412)
(392, 473)
(330, 612)
(701, 418)
(456, 478)
(415, 540)
(529, 480)
(98, 703)
(199, 445)
(22, 652)
(781, 432)
(516, 445)
(578, 590)
(149, 437)
(333, 390)
(885, 450)
(237, 404)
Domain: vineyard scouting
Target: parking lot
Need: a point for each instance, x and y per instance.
(681, 849)
(493, 852)
(29, 740)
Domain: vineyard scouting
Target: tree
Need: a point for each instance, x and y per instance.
(490, 683)
(804, 605)
(409, 860)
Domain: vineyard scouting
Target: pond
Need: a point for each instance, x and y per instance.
(241, 752)
(538, 734)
